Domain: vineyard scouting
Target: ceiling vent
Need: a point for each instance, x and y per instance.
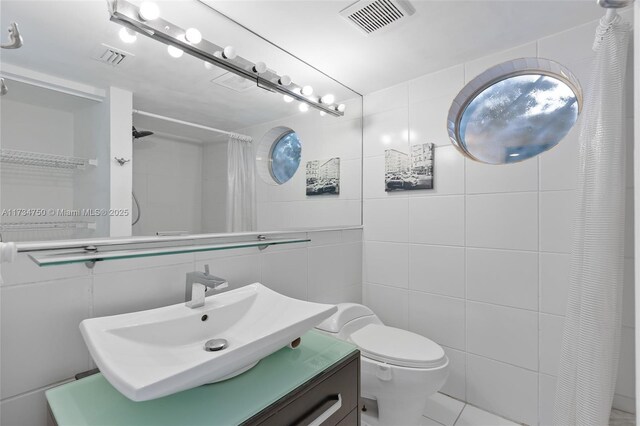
(234, 82)
(110, 55)
(377, 16)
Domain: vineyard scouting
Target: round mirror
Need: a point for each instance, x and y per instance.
(515, 111)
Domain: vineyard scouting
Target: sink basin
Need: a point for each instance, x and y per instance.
(150, 354)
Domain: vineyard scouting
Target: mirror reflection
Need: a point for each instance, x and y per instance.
(174, 142)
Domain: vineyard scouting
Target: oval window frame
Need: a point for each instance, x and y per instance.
(264, 155)
(496, 74)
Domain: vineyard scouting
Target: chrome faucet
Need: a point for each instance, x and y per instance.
(197, 285)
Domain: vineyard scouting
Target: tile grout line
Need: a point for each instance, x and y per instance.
(459, 414)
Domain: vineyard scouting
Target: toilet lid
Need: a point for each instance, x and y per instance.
(398, 347)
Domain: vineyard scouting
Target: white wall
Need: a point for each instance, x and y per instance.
(287, 206)
(167, 181)
(43, 121)
(41, 308)
(480, 263)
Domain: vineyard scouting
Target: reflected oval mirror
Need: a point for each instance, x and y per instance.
(514, 111)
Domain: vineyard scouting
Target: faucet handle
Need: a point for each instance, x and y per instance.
(206, 269)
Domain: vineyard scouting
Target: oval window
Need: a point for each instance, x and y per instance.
(515, 111)
(278, 155)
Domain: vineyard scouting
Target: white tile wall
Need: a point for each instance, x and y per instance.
(488, 247)
(391, 304)
(551, 327)
(554, 282)
(487, 178)
(387, 263)
(439, 317)
(436, 269)
(437, 220)
(556, 215)
(387, 219)
(546, 395)
(507, 221)
(504, 334)
(502, 388)
(46, 305)
(503, 277)
(41, 342)
(456, 384)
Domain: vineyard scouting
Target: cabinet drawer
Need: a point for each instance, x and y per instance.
(327, 400)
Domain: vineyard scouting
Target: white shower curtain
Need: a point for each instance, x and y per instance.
(241, 193)
(591, 340)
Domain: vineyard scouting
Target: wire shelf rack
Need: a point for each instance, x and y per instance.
(43, 226)
(36, 159)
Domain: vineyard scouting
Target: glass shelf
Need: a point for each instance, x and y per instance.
(64, 257)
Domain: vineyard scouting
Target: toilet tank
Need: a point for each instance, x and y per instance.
(346, 312)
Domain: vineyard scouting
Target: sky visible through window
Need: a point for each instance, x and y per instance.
(518, 118)
(285, 157)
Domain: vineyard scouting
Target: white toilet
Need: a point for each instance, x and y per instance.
(399, 369)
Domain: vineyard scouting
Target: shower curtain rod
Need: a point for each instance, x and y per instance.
(198, 126)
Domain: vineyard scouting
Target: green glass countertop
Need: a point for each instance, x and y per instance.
(93, 401)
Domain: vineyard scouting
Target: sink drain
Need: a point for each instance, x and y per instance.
(215, 345)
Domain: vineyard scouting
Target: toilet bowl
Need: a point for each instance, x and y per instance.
(399, 369)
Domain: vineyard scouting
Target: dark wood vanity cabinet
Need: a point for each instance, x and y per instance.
(331, 397)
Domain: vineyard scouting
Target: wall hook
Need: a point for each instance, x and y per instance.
(122, 161)
(15, 39)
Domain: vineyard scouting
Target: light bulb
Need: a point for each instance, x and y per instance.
(307, 90)
(328, 99)
(303, 107)
(285, 80)
(229, 52)
(208, 65)
(287, 98)
(174, 51)
(260, 67)
(342, 107)
(127, 35)
(149, 11)
(322, 113)
(193, 36)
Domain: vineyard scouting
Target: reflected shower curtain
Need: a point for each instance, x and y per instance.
(241, 197)
(591, 340)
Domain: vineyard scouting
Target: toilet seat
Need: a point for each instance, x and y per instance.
(398, 347)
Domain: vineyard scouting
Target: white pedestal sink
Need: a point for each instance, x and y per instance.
(154, 353)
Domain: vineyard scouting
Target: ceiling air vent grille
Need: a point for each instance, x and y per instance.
(376, 15)
(110, 55)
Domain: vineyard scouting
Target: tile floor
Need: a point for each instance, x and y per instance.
(442, 410)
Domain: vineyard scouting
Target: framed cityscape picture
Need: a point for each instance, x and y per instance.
(405, 171)
(323, 176)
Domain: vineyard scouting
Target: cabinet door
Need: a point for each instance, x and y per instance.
(326, 402)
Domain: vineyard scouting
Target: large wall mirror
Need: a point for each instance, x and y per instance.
(153, 141)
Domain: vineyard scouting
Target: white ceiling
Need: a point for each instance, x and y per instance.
(62, 37)
(440, 34)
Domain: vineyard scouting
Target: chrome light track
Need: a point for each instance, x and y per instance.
(128, 15)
